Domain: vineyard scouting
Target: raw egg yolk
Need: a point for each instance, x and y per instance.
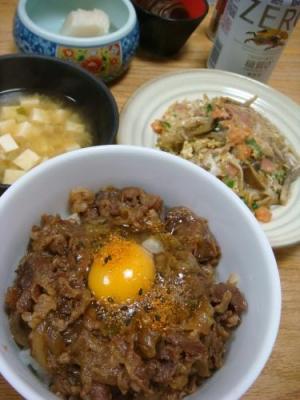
(122, 270)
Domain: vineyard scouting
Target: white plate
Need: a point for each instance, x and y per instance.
(152, 99)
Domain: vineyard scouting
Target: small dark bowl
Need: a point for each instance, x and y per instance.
(53, 77)
(165, 36)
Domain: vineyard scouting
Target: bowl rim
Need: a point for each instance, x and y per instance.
(81, 72)
(25, 389)
(78, 42)
(150, 14)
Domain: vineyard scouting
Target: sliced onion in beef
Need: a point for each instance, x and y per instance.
(153, 245)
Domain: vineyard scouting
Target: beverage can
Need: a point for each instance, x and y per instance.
(252, 35)
(215, 18)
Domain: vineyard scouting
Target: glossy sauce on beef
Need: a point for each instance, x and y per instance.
(161, 346)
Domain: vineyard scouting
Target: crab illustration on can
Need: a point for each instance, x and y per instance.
(268, 37)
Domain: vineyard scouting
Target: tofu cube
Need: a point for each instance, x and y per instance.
(60, 116)
(8, 143)
(27, 160)
(29, 101)
(39, 115)
(2, 155)
(48, 130)
(24, 129)
(86, 23)
(74, 127)
(11, 175)
(7, 125)
(9, 112)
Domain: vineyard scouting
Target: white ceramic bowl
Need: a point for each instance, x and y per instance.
(245, 249)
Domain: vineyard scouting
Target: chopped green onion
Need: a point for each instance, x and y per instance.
(251, 142)
(229, 182)
(165, 124)
(280, 175)
(254, 205)
(21, 110)
(209, 108)
(255, 147)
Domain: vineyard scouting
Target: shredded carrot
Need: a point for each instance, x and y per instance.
(219, 113)
(157, 127)
(237, 135)
(263, 214)
(243, 152)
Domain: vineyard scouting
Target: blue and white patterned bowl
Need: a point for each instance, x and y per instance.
(37, 25)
